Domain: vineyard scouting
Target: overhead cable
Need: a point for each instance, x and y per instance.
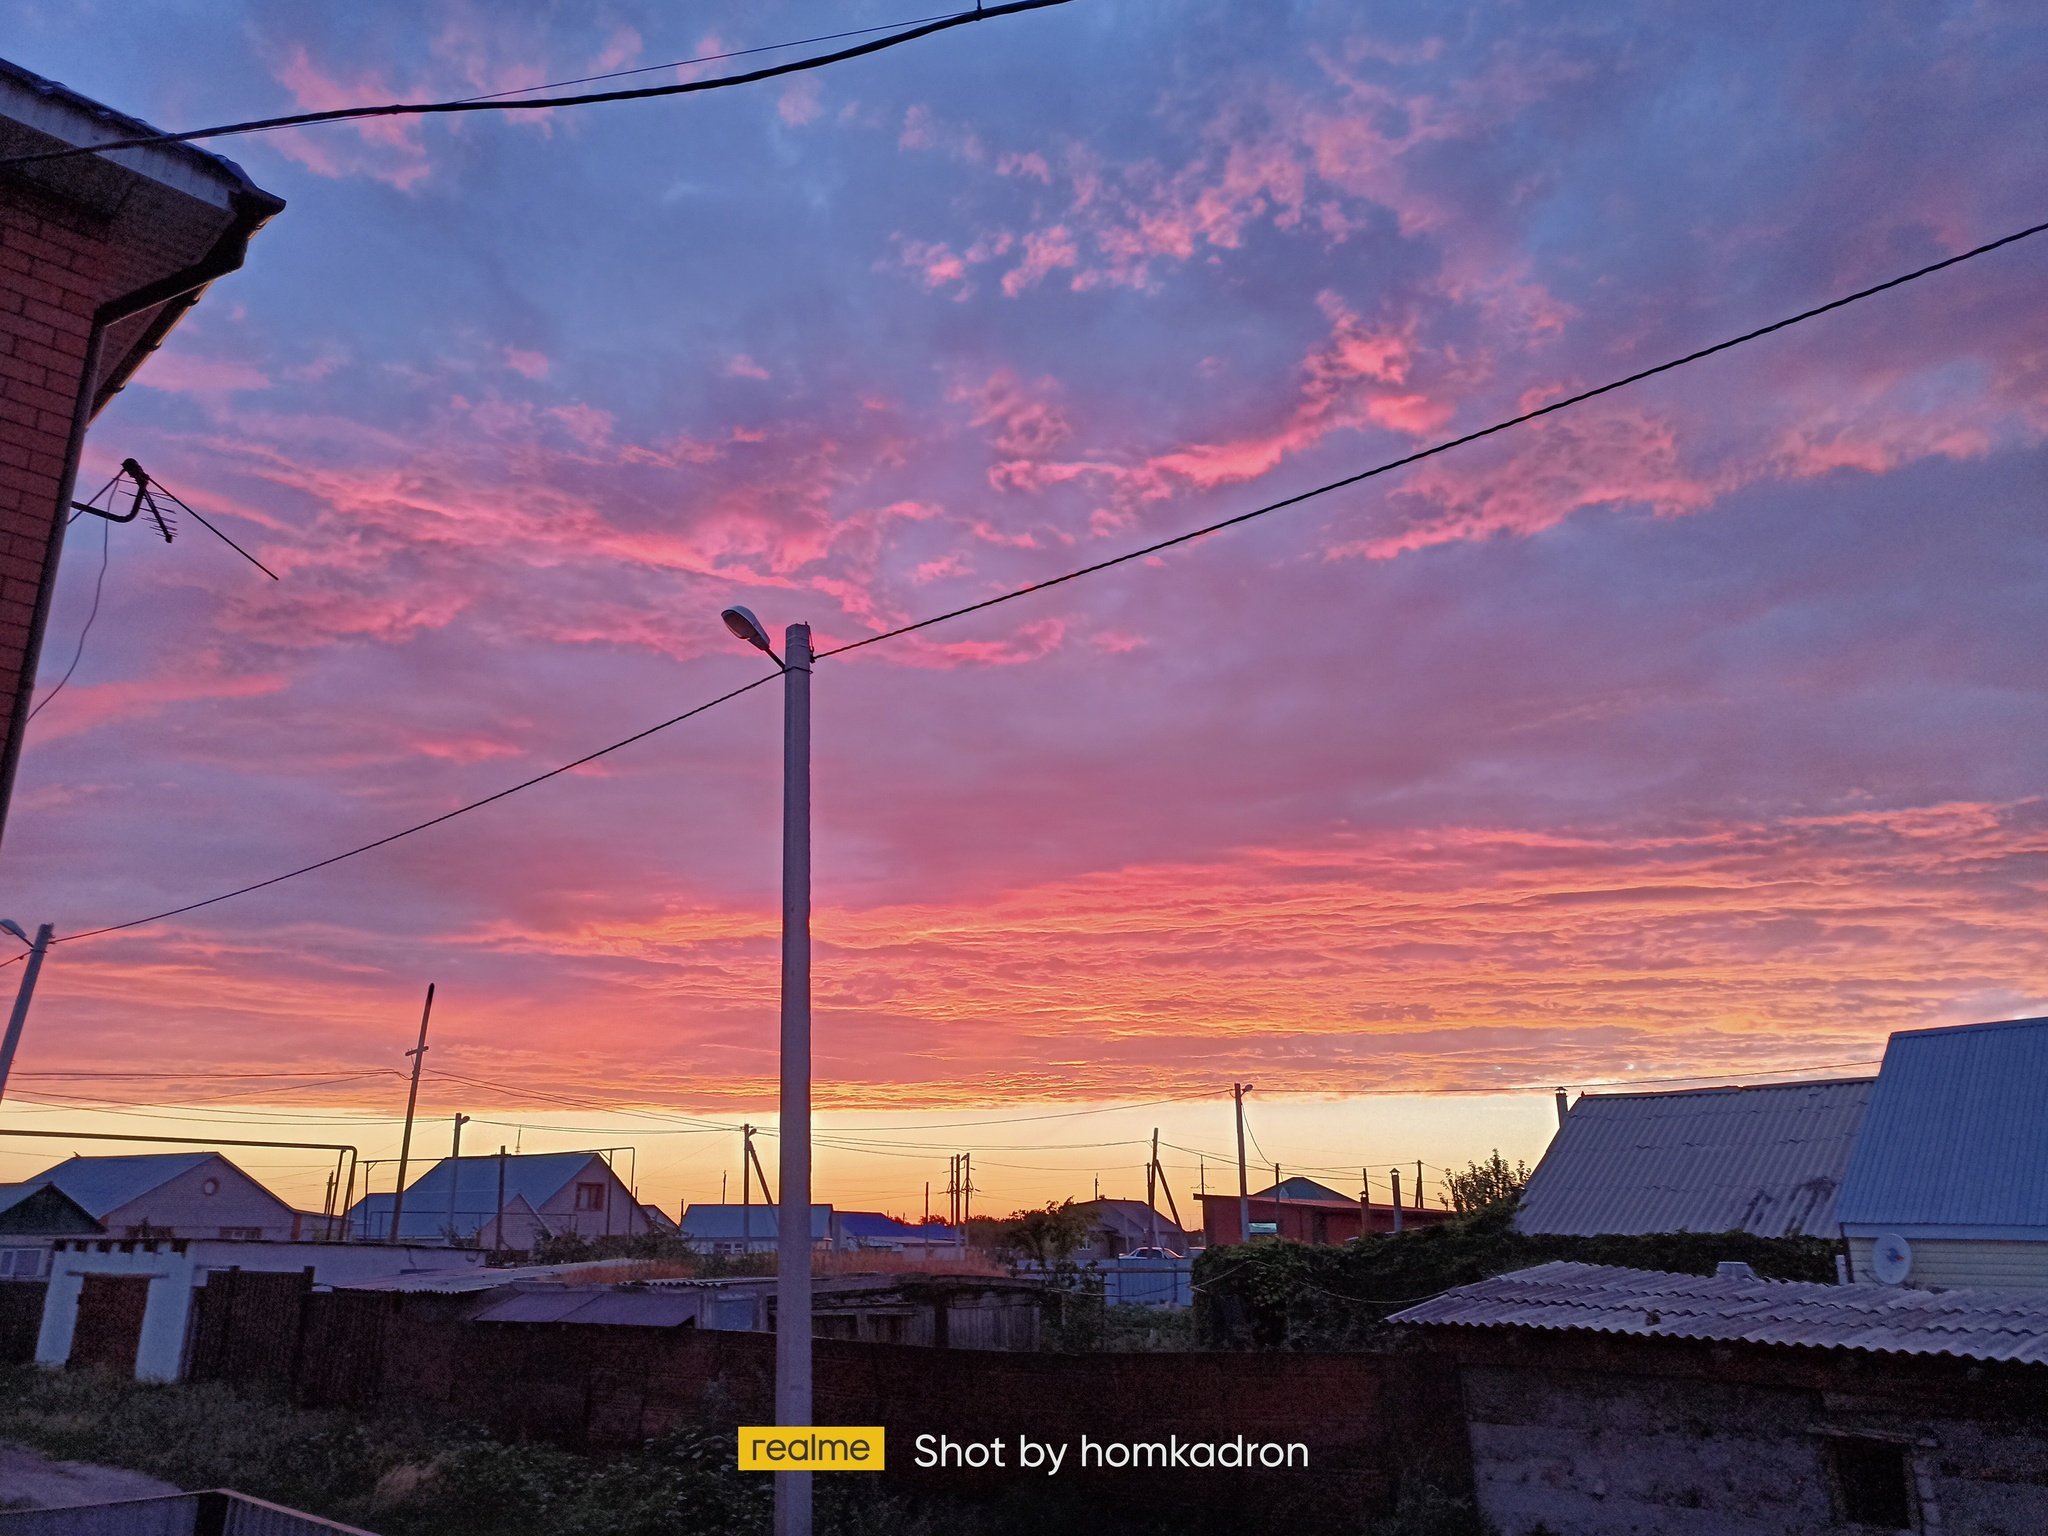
(1136, 554)
(487, 104)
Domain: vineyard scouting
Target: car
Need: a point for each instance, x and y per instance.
(1153, 1253)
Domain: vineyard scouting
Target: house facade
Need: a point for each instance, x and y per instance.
(505, 1202)
(740, 1229)
(1949, 1182)
(184, 1195)
(1301, 1210)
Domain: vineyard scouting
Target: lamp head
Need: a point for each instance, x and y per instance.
(745, 626)
(14, 928)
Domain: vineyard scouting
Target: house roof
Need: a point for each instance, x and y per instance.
(1304, 1190)
(43, 1210)
(536, 1177)
(595, 1304)
(875, 1224)
(103, 1184)
(1955, 1135)
(726, 1223)
(1768, 1160)
(1883, 1319)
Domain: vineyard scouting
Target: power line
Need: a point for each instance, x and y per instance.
(704, 58)
(1124, 559)
(460, 810)
(99, 582)
(1444, 447)
(486, 104)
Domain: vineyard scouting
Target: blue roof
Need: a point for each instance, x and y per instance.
(536, 1176)
(1955, 1134)
(722, 1223)
(103, 1184)
(875, 1224)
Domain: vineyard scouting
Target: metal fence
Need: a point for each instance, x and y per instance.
(1147, 1282)
(217, 1512)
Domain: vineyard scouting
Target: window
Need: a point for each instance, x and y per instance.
(241, 1234)
(1872, 1483)
(589, 1197)
(21, 1263)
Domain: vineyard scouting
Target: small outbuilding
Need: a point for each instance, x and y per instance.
(1621, 1402)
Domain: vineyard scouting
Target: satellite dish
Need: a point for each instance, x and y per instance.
(1891, 1259)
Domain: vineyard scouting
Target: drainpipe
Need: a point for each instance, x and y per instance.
(177, 293)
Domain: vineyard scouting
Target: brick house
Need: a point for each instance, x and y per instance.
(100, 256)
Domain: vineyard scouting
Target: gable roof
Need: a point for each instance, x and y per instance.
(535, 1177)
(103, 1184)
(1303, 1190)
(1768, 1160)
(43, 1210)
(1955, 1135)
(1885, 1319)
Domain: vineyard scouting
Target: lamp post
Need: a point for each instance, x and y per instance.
(793, 1222)
(37, 948)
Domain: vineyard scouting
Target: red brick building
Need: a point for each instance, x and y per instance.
(1303, 1211)
(100, 255)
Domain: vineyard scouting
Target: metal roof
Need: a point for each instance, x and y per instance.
(1884, 1319)
(1767, 1160)
(875, 1224)
(1955, 1135)
(727, 1223)
(595, 1304)
(103, 1184)
(536, 1177)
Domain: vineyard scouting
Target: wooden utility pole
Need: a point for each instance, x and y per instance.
(419, 1055)
(1244, 1198)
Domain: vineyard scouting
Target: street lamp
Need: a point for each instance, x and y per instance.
(36, 949)
(793, 1217)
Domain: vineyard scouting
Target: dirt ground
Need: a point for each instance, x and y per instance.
(29, 1480)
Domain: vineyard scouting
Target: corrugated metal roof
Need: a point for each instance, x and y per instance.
(725, 1223)
(535, 1177)
(103, 1184)
(875, 1224)
(1884, 1319)
(596, 1304)
(1957, 1134)
(1767, 1160)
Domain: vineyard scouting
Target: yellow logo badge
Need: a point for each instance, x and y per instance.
(765, 1448)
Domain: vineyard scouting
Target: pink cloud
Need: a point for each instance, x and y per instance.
(534, 365)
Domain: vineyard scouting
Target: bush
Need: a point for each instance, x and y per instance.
(1282, 1295)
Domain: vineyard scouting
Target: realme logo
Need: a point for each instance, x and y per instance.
(767, 1449)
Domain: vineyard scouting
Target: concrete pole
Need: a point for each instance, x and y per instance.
(455, 1175)
(31, 969)
(1394, 1177)
(1244, 1198)
(498, 1241)
(793, 1232)
(418, 1054)
(747, 1190)
(1152, 1192)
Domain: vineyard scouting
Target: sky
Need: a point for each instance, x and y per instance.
(1689, 734)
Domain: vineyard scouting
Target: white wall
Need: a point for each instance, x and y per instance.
(1949, 1261)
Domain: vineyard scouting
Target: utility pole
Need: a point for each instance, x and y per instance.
(1418, 1183)
(455, 1175)
(747, 1190)
(966, 1190)
(1244, 1199)
(419, 1055)
(498, 1242)
(1394, 1175)
(1152, 1191)
(37, 948)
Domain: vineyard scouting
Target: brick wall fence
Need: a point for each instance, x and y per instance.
(1369, 1421)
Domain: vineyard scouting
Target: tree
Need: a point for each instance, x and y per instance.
(1047, 1236)
(1489, 1183)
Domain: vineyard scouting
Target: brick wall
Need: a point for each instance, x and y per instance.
(54, 271)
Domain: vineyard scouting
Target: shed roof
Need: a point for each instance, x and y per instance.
(594, 1304)
(1767, 1160)
(1955, 1135)
(535, 1177)
(1305, 1191)
(727, 1223)
(1970, 1324)
(103, 1184)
